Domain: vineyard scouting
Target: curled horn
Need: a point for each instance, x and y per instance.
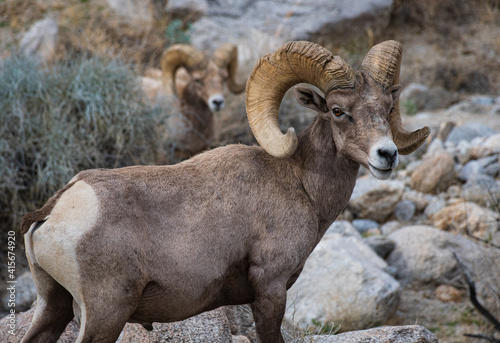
(226, 56)
(273, 75)
(383, 64)
(180, 55)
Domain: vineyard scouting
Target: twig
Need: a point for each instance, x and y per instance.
(475, 301)
(491, 339)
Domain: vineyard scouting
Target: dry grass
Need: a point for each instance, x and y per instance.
(80, 114)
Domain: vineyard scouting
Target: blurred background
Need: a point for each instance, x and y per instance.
(73, 76)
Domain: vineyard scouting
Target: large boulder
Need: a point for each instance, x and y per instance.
(435, 174)
(375, 199)
(424, 255)
(207, 327)
(461, 216)
(343, 281)
(261, 26)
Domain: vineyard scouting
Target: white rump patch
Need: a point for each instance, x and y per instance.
(54, 243)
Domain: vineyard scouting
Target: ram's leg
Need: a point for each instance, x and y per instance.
(105, 308)
(53, 309)
(268, 311)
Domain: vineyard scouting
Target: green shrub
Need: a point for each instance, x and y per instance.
(177, 32)
(56, 121)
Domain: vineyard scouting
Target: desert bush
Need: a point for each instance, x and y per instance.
(76, 115)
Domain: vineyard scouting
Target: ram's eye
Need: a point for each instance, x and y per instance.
(336, 111)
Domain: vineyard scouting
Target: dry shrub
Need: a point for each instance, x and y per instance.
(81, 114)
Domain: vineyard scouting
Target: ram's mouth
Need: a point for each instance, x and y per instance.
(382, 174)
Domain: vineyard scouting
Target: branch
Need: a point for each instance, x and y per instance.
(491, 339)
(473, 295)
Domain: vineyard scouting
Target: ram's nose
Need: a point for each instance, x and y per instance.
(383, 158)
(216, 102)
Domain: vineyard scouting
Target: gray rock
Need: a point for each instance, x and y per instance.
(471, 170)
(393, 334)
(390, 227)
(136, 11)
(343, 280)
(435, 205)
(208, 327)
(40, 40)
(382, 245)
(375, 199)
(405, 210)
(468, 132)
(364, 225)
(424, 255)
(259, 27)
(425, 98)
(482, 190)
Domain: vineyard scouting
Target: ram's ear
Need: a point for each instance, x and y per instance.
(395, 92)
(310, 99)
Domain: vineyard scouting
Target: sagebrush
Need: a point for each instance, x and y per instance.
(62, 119)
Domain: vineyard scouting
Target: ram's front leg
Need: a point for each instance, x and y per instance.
(268, 310)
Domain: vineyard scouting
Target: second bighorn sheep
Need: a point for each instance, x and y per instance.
(198, 82)
(233, 225)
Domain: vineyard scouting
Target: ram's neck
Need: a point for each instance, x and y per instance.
(326, 176)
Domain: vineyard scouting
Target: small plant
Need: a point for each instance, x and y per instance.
(409, 107)
(81, 114)
(178, 33)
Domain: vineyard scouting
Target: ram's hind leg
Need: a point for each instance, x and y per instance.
(53, 310)
(105, 309)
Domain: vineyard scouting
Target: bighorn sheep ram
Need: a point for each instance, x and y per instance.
(233, 225)
(198, 86)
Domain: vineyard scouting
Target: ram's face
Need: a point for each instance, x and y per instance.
(359, 119)
(208, 85)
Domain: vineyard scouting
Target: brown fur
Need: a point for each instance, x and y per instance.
(193, 129)
(233, 225)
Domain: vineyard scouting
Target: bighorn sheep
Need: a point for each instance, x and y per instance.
(233, 225)
(198, 86)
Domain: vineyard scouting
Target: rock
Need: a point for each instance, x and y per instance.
(212, 326)
(240, 339)
(381, 245)
(22, 323)
(435, 147)
(435, 205)
(471, 170)
(375, 199)
(390, 227)
(405, 210)
(241, 321)
(393, 334)
(25, 292)
(343, 281)
(40, 40)
(420, 200)
(460, 216)
(137, 12)
(364, 225)
(448, 293)
(468, 132)
(425, 98)
(191, 9)
(483, 190)
(207, 327)
(424, 256)
(259, 27)
(435, 174)
(483, 166)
